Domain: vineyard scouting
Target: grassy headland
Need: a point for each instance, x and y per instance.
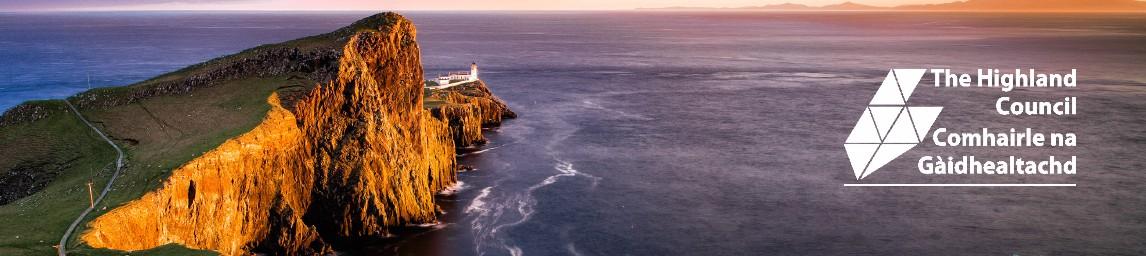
(52, 156)
(189, 115)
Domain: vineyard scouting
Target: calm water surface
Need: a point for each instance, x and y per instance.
(704, 133)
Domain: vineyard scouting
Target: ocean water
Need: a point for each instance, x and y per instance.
(663, 133)
(53, 55)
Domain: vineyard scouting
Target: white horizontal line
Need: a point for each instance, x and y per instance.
(962, 185)
(873, 143)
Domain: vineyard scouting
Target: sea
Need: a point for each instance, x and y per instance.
(705, 133)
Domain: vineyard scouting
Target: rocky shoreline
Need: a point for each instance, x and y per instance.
(355, 157)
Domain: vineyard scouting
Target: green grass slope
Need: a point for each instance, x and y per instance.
(158, 134)
(159, 129)
(33, 224)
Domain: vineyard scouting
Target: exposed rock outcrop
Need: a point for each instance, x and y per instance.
(28, 112)
(28, 178)
(316, 64)
(356, 157)
(225, 200)
(379, 156)
(469, 108)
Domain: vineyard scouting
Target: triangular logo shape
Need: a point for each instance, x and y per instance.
(865, 131)
(883, 155)
(908, 80)
(860, 155)
(884, 117)
(924, 117)
(888, 127)
(888, 92)
(903, 131)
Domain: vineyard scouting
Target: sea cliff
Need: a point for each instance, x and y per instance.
(355, 156)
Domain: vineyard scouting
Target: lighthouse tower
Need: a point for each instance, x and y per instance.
(473, 71)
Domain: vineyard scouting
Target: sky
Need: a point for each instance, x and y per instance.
(378, 5)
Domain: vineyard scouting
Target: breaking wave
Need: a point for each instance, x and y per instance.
(487, 214)
(453, 189)
(480, 151)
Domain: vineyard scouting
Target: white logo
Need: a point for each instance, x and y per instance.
(888, 128)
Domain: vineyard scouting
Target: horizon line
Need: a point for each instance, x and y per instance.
(654, 9)
(863, 7)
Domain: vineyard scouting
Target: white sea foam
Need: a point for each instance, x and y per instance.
(458, 186)
(515, 251)
(480, 151)
(572, 249)
(484, 213)
(487, 210)
(525, 203)
(478, 205)
(434, 225)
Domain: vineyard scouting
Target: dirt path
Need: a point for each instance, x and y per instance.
(118, 167)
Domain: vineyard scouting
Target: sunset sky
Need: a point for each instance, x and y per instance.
(48, 5)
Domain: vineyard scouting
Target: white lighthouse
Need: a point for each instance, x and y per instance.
(473, 71)
(456, 78)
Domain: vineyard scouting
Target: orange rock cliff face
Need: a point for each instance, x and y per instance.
(356, 157)
(470, 107)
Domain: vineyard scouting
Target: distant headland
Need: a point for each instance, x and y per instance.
(957, 6)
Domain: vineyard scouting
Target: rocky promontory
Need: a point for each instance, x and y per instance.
(356, 155)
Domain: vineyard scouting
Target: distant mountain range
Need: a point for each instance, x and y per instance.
(968, 5)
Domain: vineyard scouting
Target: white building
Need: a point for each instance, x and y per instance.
(459, 76)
